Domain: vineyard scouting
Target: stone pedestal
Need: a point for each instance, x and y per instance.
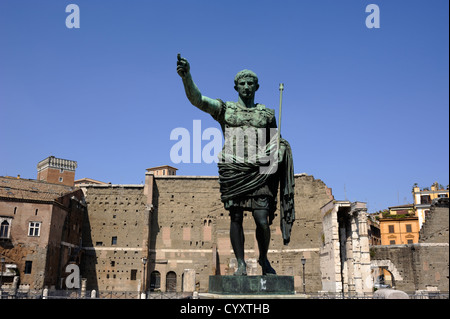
(189, 280)
(248, 285)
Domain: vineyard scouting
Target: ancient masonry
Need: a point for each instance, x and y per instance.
(179, 226)
(423, 266)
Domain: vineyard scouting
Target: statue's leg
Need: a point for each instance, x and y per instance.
(263, 238)
(237, 239)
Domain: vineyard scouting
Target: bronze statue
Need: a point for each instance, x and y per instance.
(249, 179)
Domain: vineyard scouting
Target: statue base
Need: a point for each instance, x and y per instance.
(251, 285)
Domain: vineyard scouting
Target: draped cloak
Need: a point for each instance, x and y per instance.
(243, 177)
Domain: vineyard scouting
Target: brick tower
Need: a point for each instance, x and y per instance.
(57, 171)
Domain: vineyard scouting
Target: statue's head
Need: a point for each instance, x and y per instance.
(246, 83)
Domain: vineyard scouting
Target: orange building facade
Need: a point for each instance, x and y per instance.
(400, 226)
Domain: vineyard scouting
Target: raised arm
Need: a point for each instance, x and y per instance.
(204, 103)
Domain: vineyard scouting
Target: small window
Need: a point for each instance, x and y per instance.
(133, 274)
(410, 241)
(28, 266)
(34, 229)
(114, 240)
(392, 242)
(391, 229)
(4, 229)
(61, 179)
(408, 229)
(99, 243)
(61, 170)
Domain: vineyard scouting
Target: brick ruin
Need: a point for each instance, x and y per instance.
(423, 266)
(179, 226)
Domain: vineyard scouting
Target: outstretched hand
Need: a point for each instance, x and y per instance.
(182, 66)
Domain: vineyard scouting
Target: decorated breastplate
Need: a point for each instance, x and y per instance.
(241, 116)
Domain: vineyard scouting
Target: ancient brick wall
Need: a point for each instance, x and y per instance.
(189, 229)
(435, 228)
(424, 265)
(113, 237)
(189, 223)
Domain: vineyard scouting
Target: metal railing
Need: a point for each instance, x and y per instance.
(78, 294)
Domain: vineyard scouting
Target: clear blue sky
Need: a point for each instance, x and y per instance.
(365, 110)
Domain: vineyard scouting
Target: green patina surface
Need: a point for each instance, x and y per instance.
(244, 285)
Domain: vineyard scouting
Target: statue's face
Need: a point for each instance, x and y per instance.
(246, 87)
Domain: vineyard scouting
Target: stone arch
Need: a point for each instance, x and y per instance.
(389, 266)
(155, 280)
(171, 281)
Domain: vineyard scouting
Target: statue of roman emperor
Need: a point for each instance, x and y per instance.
(249, 180)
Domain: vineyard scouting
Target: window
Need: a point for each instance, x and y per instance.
(392, 242)
(34, 229)
(114, 240)
(4, 228)
(98, 243)
(425, 199)
(410, 241)
(61, 179)
(133, 274)
(28, 266)
(391, 229)
(408, 229)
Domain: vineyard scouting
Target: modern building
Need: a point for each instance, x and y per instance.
(399, 226)
(40, 231)
(164, 170)
(424, 197)
(373, 230)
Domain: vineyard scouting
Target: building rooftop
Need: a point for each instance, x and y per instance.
(87, 180)
(20, 188)
(58, 163)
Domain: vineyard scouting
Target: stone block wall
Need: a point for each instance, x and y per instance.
(421, 266)
(114, 236)
(184, 226)
(190, 230)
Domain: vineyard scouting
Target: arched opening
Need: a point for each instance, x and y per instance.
(385, 274)
(4, 229)
(389, 279)
(171, 282)
(155, 281)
